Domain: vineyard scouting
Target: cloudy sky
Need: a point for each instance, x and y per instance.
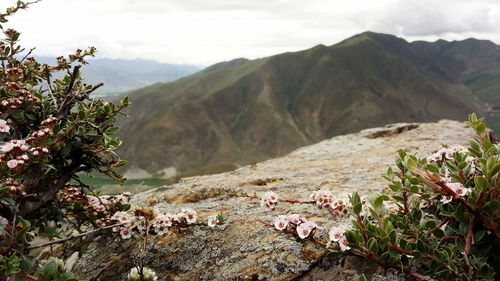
(208, 31)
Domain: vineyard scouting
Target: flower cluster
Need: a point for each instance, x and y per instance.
(147, 274)
(322, 198)
(336, 234)
(446, 153)
(303, 227)
(17, 152)
(148, 220)
(269, 200)
(458, 188)
(86, 207)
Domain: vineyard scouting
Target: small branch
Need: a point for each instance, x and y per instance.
(74, 237)
(469, 266)
(97, 86)
(468, 238)
(443, 222)
(26, 275)
(29, 53)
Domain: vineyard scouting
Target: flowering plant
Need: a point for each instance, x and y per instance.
(439, 220)
(50, 130)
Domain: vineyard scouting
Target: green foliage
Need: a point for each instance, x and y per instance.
(53, 270)
(442, 217)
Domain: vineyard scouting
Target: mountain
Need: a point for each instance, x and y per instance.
(121, 75)
(245, 111)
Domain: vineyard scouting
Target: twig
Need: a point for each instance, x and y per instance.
(29, 53)
(26, 275)
(446, 220)
(468, 238)
(469, 266)
(74, 237)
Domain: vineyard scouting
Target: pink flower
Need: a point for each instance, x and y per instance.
(303, 230)
(4, 128)
(190, 215)
(310, 224)
(280, 222)
(343, 244)
(125, 233)
(295, 219)
(12, 164)
(7, 147)
(335, 234)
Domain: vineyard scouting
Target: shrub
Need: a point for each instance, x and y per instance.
(439, 220)
(50, 130)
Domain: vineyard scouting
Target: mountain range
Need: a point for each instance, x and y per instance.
(122, 75)
(245, 111)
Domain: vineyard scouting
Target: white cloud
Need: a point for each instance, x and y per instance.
(208, 31)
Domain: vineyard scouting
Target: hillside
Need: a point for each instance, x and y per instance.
(121, 75)
(244, 111)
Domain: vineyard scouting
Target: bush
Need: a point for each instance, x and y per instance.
(439, 220)
(50, 130)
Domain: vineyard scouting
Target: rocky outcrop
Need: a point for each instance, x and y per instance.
(244, 249)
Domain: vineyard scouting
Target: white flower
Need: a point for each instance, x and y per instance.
(280, 222)
(303, 230)
(4, 128)
(7, 147)
(148, 274)
(122, 217)
(343, 244)
(446, 199)
(335, 233)
(212, 221)
(269, 199)
(12, 164)
(459, 189)
(191, 215)
(125, 233)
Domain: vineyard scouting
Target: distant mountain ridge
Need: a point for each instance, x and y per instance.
(122, 75)
(246, 111)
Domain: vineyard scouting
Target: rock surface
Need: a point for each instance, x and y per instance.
(244, 249)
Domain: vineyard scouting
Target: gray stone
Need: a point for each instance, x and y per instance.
(244, 249)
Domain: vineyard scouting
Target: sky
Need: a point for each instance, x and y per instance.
(204, 32)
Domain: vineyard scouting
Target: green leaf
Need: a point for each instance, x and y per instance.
(432, 168)
(362, 278)
(357, 208)
(111, 131)
(480, 182)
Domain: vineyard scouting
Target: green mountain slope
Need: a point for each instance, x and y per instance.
(245, 111)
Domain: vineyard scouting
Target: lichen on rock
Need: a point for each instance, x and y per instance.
(244, 249)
